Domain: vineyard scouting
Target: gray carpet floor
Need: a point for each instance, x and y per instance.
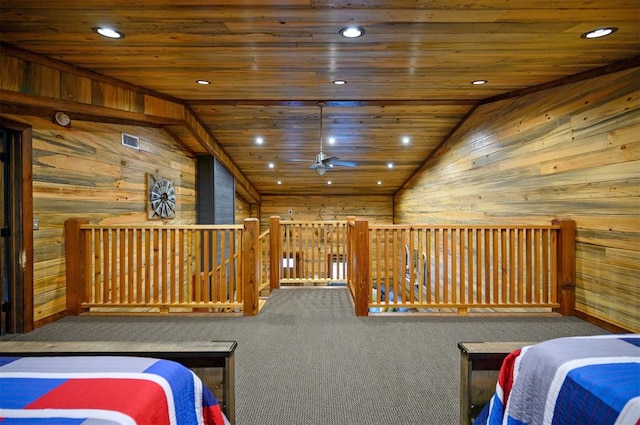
(306, 359)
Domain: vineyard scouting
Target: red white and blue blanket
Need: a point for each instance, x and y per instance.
(105, 390)
(578, 380)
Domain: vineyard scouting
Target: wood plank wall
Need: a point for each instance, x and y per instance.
(571, 151)
(243, 210)
(85, 172)
(378, 209)
(40, 85)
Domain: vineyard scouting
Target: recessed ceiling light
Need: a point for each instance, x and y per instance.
(329, 182)
(108, 32)
(279, 181)
(379, 181)
(332, 140)
(352, 32)
(271, 165)
(339, 82)
(406, 140)
(203, 82)
(600, 32)
(390, 165)
(259, 140)
(479, 82)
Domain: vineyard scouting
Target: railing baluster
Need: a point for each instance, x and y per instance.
(222, 276)
(421, 265)
(445, 265)
(164, 275)
(231, 266)
(504, 233)
(113, 265)
(436, 236)
(454, 265)
(313, 250)
(545, 265)
(464, 296)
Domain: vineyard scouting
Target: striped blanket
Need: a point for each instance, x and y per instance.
(577, 380)
(104, 390)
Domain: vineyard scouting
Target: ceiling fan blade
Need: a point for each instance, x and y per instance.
(334, 160)
(344, 163)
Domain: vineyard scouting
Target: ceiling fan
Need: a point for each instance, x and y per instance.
(324, 162)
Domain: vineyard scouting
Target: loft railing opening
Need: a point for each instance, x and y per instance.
(311, 252)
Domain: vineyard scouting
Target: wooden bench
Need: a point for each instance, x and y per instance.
(212, 361)
(480, 364)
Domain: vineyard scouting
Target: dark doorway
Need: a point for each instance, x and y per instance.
(5, 287)
(16, 219)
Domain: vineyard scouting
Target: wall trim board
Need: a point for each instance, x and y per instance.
(601, 323)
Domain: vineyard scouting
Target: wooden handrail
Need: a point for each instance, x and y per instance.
(159, 227)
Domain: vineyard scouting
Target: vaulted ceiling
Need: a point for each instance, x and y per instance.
(269, 63)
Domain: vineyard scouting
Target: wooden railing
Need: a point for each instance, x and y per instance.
(168, 269)
(421, 267)
(386, 267)
(312, 252)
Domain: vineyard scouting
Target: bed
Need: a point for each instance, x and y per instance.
(575, 380)
(106, 382)
(108, 390)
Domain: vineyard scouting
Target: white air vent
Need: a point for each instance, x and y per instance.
(131, 141)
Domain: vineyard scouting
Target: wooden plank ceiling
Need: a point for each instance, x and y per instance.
(271, 62)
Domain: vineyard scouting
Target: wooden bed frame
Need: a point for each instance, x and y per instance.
(212, 361)
(480, 363)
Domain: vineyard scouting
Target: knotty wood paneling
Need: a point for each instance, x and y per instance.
(378, 209)
(243, 210)
(85, 172)
(572, 151)
(40, 85)
(270, 62)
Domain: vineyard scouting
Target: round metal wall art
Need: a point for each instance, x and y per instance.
(162, 198)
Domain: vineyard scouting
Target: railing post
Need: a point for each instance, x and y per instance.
(74, 262)
(566, 266)
(251, 266)
(275, 253)
(361, 267)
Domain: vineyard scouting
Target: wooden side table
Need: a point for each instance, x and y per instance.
(480, 364)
